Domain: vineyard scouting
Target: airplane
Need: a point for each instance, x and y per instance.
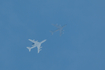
(35, 44)
(60, 28)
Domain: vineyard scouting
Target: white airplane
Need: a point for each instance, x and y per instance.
(36, 44)
(60, 28)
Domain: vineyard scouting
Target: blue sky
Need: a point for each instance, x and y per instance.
(81, 47)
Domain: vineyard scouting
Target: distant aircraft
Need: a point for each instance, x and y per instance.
(60, 28)
(36, 44)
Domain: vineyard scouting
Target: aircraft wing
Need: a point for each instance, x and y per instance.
(61, 32)
(64, 25)
(56, 30)
(31, 40)
(56, 25)
(43, 41)
(39, 49)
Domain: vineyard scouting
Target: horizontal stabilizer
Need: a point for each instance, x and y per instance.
(29, 48)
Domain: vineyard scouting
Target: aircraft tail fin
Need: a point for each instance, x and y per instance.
(29, 48)
(52, 32)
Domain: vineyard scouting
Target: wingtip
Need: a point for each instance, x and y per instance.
(29, 39)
